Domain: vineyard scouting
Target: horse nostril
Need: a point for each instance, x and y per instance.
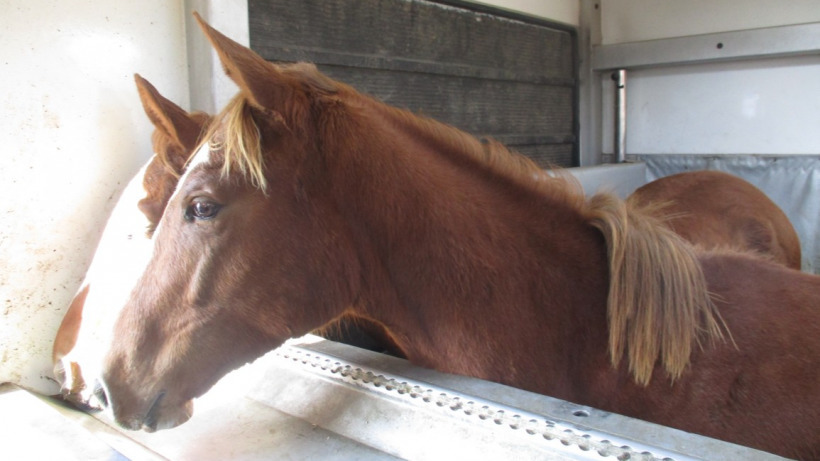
(99, 393)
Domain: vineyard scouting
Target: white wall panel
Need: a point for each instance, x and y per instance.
(73, 133)
(758, 107)
(757, 94)
(637, 20)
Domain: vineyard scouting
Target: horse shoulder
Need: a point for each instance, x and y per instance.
(772, 367)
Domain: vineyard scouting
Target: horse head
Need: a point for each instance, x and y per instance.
(245, 256)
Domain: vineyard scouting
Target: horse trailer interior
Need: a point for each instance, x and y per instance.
(618, 92)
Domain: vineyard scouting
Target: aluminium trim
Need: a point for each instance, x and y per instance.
(770, 42)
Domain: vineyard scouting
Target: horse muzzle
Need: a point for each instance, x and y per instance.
(157, 412)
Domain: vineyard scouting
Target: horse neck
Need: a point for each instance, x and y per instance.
(445, 240)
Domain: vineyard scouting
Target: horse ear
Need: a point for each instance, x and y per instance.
(167, 117)
(261, 81)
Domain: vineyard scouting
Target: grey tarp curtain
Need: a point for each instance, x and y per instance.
(792, 182)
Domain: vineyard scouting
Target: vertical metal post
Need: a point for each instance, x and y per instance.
(619, 76)
(590, 94)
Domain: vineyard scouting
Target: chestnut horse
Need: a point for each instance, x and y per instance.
(715, 209)
(176, 136)
(311, 201)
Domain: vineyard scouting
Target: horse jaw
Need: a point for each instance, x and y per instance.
(122, 253)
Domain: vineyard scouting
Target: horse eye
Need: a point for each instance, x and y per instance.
(201, 209)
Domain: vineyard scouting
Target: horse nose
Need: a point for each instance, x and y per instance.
(100, 394)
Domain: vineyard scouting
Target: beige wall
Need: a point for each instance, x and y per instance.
(73, 133)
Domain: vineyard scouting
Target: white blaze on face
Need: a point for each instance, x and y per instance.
(202, 156)
(120, 259)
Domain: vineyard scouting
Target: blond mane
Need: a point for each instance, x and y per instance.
(658, 304)
(236, 135)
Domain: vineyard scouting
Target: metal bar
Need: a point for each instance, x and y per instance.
(795, 40)
(619, 76)
(414, 413)
(315, 399)
(589, 86)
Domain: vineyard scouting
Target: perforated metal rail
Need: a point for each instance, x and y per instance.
(474, 410)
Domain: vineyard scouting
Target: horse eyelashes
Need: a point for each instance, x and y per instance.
(203, 210)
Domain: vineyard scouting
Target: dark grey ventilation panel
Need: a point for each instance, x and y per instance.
(508, 77)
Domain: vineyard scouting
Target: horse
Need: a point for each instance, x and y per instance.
(177, 133)
(310, 201)
(715, 209)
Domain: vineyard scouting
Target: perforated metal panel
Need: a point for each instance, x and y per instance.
(487, 72)
(313, 399)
